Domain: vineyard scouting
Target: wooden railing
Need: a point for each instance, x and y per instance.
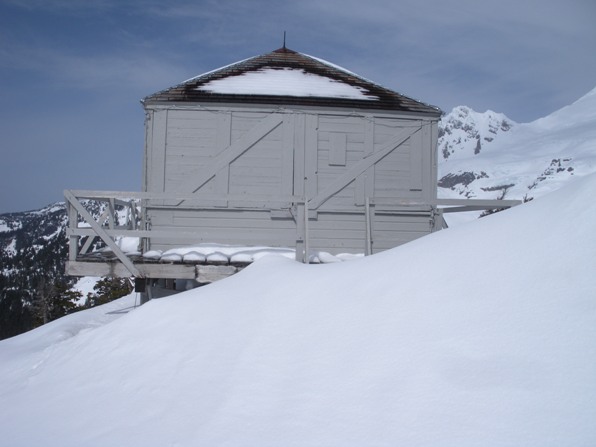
(121, 214)
(112, 204)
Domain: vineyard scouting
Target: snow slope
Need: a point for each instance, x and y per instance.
(520, 160)
(482, 334)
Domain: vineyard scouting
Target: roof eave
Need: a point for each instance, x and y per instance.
(290, 101)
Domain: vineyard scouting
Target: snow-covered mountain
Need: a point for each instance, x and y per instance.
(464, 132)
(33, 252)
(477, 335)
(488, 156)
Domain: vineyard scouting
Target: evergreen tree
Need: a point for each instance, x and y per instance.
(53, 300)
(15, 317)
(109, 289)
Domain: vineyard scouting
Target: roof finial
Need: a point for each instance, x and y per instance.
(284, 47)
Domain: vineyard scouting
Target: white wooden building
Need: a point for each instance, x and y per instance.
(253, 139)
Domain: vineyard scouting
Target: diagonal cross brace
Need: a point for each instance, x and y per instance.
(368, 161)
(233, 151)
(103, 234)
(102, 219)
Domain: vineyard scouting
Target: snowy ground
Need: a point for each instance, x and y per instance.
(480, 335)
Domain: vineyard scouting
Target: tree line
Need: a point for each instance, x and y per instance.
(33, 287)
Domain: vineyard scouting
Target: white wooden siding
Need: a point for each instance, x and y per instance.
(242, 227)
(331, 158)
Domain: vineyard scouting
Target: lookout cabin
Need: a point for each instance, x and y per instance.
(278, 150)
(251, 139)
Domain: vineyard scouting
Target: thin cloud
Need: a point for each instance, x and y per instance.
(64, 6)
(135, 70)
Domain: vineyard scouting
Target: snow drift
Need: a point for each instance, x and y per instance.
(477, 335)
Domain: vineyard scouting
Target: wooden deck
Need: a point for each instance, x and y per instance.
(107, 264)
(110, 227)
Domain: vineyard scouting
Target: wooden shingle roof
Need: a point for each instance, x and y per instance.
(331, 86)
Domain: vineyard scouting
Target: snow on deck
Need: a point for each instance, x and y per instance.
(216, 253)
(235, 254)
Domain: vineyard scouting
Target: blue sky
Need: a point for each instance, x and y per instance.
(73, 72)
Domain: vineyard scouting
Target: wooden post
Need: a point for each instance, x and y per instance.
(300, 231)
(306, 248)
(112, 214)
(368, 227)
(145, 225)
(73, 244)
(132, 223)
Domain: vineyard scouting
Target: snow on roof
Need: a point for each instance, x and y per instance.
(285, 82)
(287, 77)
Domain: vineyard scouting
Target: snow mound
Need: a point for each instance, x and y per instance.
(477, 335)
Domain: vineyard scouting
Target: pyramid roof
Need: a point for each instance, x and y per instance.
(286, 77)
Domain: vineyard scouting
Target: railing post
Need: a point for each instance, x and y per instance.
(368, 227)
(300, 231)
(145, 225)
(133, 214)
(306, 247)
(112, 214)
(73, 222)
(302, 250)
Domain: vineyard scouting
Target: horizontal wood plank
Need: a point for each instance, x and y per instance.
(118, 270)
